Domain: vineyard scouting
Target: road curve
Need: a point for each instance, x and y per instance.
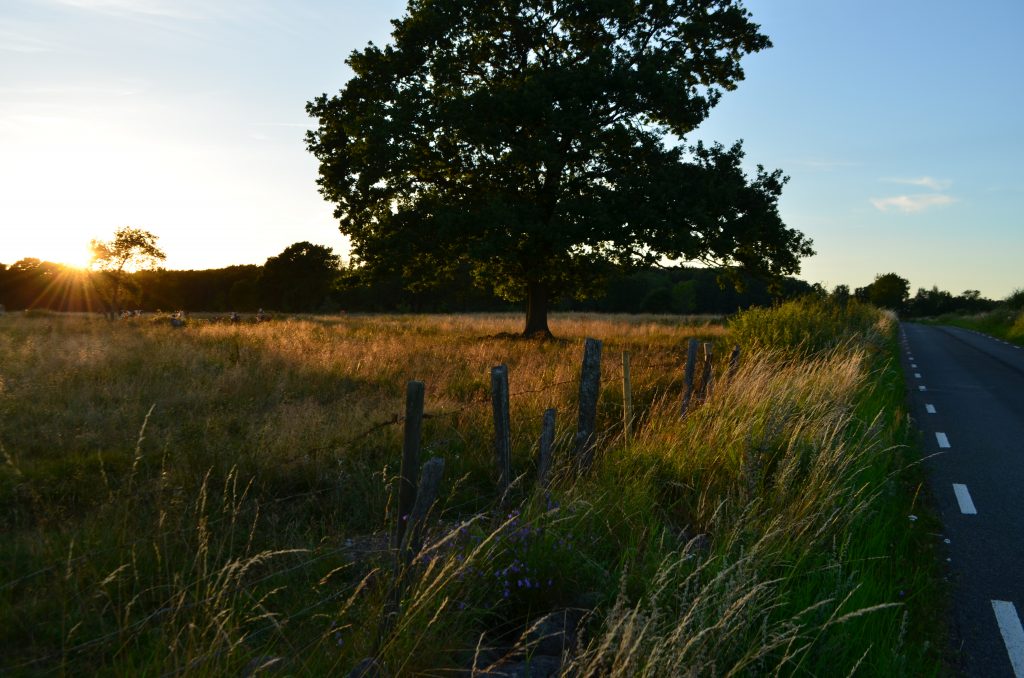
(966, 393)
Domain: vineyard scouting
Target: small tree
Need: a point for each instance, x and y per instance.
(130, 250)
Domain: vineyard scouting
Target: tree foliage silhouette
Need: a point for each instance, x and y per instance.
(131, 249)
(887, 291)
(299, 278)
(541, 144)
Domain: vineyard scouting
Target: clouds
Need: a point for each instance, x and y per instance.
(917, 202)
(23, 37)
(910, 204)
(144, 8)
(925, 182)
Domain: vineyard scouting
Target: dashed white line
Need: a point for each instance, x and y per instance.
(913, 365)
(917, 375)
(929, 408)
(963, 497)
(943, 440)
(922, 387)
(1012, 632)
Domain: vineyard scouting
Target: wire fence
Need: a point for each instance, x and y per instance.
(310, 557)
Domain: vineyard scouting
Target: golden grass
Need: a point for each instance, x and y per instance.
(218, 494)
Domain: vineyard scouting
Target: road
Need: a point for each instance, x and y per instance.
(966, 393)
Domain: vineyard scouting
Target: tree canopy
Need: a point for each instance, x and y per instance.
(887, 291)
(131, 249)
(540, 143)
(299, 278)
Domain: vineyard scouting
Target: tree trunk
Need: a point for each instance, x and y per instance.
(537, 311)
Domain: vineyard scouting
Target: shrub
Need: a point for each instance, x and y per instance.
(809, 326)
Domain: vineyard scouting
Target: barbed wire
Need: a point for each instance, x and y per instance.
(335, 445)
(614, 367)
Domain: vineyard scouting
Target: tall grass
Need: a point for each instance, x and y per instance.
(1005, 322)
(216, 500)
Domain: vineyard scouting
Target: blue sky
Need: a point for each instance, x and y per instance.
(898, 123)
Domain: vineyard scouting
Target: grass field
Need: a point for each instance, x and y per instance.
(216, 499)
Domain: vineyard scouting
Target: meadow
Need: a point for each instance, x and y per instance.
(218, 499)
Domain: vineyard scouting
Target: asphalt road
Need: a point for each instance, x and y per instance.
(966, 393)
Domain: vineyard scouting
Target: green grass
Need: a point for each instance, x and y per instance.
(219, 497)
(1004, 323)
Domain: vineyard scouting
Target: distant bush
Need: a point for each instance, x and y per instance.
(1016, 299)
(809, 325)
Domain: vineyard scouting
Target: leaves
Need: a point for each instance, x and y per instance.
(539, 142)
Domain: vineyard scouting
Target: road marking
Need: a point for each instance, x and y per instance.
(913, 365)
(963, 497)
(917, 375)
(929, 408)
(922, 387)
(943, 440)
(1012, 632)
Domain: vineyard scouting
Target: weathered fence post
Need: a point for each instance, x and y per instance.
(410, 468)
(409, 498)
(411, 543)
(502, 435)
(627, 397)
(705, 381)
(734, 361)
(547, 441)
(590, 387)
(691, 368)
(426, 495)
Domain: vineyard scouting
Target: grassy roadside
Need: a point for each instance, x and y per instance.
(1003, 323)
(207, 501)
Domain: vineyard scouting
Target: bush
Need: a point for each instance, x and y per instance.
(809, 326)
(1016, 299)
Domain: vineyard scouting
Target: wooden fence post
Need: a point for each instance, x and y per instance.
(705, 381)
(426, 495)
(627, 397)
(734, 361)
(547, 441)
(410, 468)
(590, 387)
(502, 434)
(691, 368)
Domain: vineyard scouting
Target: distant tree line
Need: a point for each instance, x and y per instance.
(892, 291)
(308, 278)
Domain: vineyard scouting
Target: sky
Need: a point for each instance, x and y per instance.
(898, 123)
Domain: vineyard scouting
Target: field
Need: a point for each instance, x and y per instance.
(218, 499)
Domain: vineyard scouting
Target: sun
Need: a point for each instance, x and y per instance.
(78, 257)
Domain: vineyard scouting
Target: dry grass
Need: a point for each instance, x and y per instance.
(216, 498)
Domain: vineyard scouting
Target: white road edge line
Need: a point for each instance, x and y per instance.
(943, 440)
(1012, 632)
(963, 497)
(929, 408)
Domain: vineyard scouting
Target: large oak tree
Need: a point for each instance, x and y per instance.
(541, 142)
